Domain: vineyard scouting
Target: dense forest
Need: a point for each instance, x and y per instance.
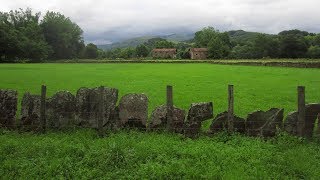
(25, 35)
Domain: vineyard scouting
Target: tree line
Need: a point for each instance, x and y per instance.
(24, 36)
(286, 44)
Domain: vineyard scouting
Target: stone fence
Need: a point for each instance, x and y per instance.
(97, 108)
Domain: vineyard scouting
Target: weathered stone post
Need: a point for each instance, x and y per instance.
(43, 108)
(230, 109)
(301, 111)
(101, 111)
(8, 108)
(169, 107)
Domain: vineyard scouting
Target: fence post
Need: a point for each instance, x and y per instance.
(43, 108)
(230, 109)
(169, 107)
(301, 111)
(101, 111)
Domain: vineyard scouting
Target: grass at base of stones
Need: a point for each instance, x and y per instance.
(131, 154)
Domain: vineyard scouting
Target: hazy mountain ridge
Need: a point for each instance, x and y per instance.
(235, 35)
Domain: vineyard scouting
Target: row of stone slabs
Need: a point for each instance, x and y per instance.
(66, 110)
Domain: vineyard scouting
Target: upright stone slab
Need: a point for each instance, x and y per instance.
(261, 123)
(290, 123)
(220, 123)
(30, 112)
(133, 110)
(60, 110)
(312, 111)
(8, 108)
(198, 113)
(87, 106)
(158, 119)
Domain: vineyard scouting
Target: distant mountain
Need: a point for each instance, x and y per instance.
(238, 36)
(133, 42)
(178, 37)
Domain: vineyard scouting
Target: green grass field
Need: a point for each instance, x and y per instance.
(255, 87)
(81, 154)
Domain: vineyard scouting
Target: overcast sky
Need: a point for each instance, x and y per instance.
(105, 21)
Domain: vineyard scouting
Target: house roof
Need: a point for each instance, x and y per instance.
(199, 49)
(165, 50)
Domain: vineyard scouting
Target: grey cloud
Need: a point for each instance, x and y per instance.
(113, 20)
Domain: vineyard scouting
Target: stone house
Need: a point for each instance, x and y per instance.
(198, 53)
(164, 53)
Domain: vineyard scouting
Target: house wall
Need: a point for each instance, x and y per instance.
(199, 55)
(164, 55)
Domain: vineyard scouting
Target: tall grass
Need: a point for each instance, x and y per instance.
(82, 155)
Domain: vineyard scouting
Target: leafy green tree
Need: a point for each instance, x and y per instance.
(64, 36)
(264, 46)
(217, 49)
(21, 35)
(314, 40)
(183, 54)
(293, 46)
(142, 50)
(218, 44)
(202, 38)
(8, 39)
(127, 53)
(242, 52)
(164, 44)
(91, 51)
(314, 52)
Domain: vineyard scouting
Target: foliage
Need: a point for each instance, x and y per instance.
(64, 36)
(164, 44)
(292, 44)
(21, 36)
(91, 51)
(218, 44)
(314, 52)
(142, 50)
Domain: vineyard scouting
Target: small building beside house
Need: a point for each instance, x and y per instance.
(164, 53)
(198, 53)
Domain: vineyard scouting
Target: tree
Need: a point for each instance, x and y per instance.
(217, 49)
(218, 44)
(64, 36)
(164, 44)
(142, 50)
(21, 35)
(293, 46)
(8, 38)
(242, 52)
(127, 53)
(314, 52)
(203, 37)
(265, 46)
(91, 51)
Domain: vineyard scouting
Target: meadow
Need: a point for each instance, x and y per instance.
(79, 154)
(255, 87)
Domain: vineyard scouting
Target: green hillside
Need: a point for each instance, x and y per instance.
(140, 40)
